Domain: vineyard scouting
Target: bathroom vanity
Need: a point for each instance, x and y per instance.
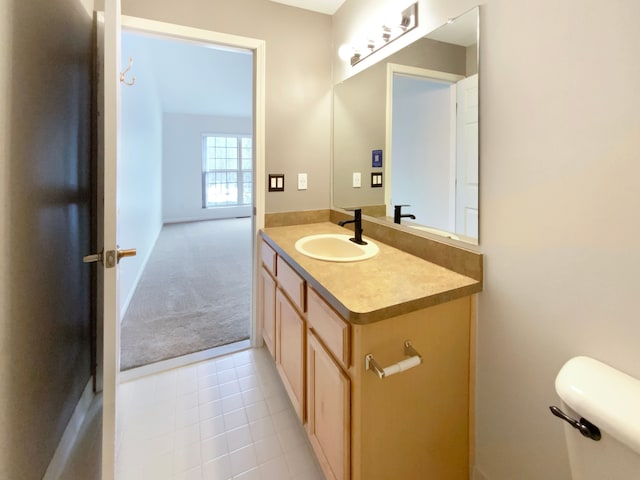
(330, 325)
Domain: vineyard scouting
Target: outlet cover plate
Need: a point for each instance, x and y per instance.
(302, 181)
(357, 180)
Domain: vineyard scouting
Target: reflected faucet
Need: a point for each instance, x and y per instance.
(397, 214)
(357, 221)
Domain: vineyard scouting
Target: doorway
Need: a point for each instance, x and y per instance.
(187, 211)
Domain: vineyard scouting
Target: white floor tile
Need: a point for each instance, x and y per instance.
(244, 371)
(193, 474)
(186, 436)
(256, 411)
(299, 460)
(235, 419)
(211, 427)
(214, 447)
(267, 449)
(229, 388)
(248, 382)
(233, 402)
(222, 419)
(210, 410)
(239, 438)
(275, 469)
(253, 474)
(207, 368)
(243, 460)
(186, 458)
(207, 395)
(262, 428)
(227, 376)
(218, 469)
(224, 363)
(208, 381)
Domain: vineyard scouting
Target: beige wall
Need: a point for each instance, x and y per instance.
(45, 135)
(559, 146)
(298, 84)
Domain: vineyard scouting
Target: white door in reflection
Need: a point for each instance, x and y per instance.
(467, 157)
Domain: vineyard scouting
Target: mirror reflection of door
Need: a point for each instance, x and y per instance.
(466, 201)
(434, 149)
(422, 151)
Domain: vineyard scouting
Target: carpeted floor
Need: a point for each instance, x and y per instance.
(194, 294)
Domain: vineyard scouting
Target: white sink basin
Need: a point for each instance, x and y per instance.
(335, 248)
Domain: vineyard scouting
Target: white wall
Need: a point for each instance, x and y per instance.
(559, 143)
(139, 168)
(182, 165)
(298, 84)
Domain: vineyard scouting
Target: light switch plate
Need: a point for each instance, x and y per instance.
(302, 181)
(276, 182)
(357, 180)
(376, 179)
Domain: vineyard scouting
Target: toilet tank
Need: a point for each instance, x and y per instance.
(610, 400)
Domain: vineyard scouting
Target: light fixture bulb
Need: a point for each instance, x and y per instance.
(345, 52)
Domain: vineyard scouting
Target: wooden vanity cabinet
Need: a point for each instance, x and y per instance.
(283, 298)
(411, 425)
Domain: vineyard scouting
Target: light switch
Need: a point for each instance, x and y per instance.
(376, 179)
(276, 182)
(302, 181)
(357, 180)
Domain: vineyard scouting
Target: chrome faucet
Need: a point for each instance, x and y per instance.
(397, 213)
(357, 221)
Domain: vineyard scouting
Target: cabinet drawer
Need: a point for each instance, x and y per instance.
(291, 283)
(329, 327)
(269, 258)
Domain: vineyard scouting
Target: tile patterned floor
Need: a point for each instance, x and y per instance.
(226, 418)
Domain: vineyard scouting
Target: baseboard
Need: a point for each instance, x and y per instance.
(70, 435)
(212, 214)
(127, 301)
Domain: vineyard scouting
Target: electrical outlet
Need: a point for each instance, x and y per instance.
(357, 180)
(302, 181)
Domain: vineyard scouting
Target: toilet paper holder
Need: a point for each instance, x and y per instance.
(414, 360)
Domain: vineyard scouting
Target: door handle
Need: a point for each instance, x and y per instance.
(110, 258)
(94, 257)
(129, 252)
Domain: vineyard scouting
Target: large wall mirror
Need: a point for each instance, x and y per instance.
(408, 125)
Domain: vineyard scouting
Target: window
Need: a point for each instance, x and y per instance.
(227, 177)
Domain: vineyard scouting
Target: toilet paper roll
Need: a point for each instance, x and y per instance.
(402, 366)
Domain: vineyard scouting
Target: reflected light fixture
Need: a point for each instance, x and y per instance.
(387, 33)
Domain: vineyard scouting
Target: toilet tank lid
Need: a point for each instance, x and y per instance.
(608, 398)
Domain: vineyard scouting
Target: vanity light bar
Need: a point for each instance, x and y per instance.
(388, 33)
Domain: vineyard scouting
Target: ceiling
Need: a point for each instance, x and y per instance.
(189, 77)
(323, 6)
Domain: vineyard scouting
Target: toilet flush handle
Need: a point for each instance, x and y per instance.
(585, 427)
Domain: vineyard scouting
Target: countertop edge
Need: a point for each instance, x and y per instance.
(364, 318)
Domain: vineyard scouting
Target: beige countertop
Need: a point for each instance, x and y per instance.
(390, 284)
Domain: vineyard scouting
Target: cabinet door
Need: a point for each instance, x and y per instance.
(290, 351)
(268, 310)
(328, 411)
